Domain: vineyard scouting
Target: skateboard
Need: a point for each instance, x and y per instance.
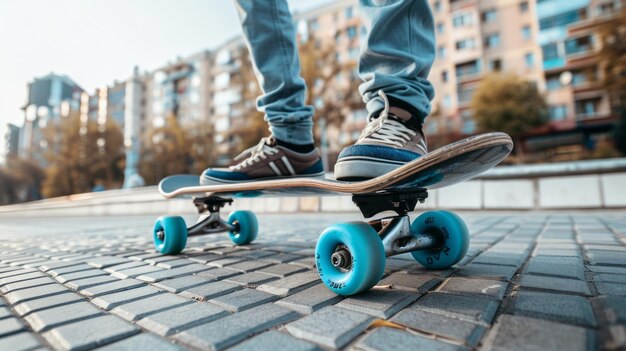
(350, 257)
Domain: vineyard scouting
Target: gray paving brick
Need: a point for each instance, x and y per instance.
(84, 283)
(204, 258)
(249, 266)
(136, 271)
(177, 319)
(614, 309)
(610, 278)
(379, 302)
(225, 261)
(135, 310)
(470, 308)
(210, 290)
(145, 255)
(5, 312)
(243, 299)
(431, 323)
(523, 333)
(282, 270)
(568, 261)
(174, 263)
(487, 271)
(64, 278)
(275, 341)
(106, 261)
(20, 342)
(182, 283)
(500, 258)
(555, 284)
(109, 288)
(559, 270)
(10, 326)
(105, 329)
(481, 287)
(158, 259)
(27, 294)
(393, 339)
(69, 269)
(607, 258)
(219, 273)
(559, 308)
(21, 276)
(27, 284)
(282, 258)
(307, 262)
(291, 284)
(123, 266)
(604, 288)
(331, 326)
(230, 330)
(251, 280)
(152, 277)
(412, 282)
(43, 320)
(309, 300)
(142, 341)
(113, 300)
(46, 302)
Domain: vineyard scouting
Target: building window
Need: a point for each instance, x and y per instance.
(606, 9)
(465, 44)
(578, 45)
(349, 12)
(462, 19)
(492, 40)
(495, 65)
(468, 68)
(437, 6)
(441, 52)
(558, 112)
(314, 25)
(587, 108)
(489, 16)
(530, 60)
(444, 76)
(526, 33)
(440, 27)
(351, 31)
(553, 82)
(447, 101)
(523, 6)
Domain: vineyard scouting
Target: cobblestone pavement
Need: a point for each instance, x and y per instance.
(530, 281)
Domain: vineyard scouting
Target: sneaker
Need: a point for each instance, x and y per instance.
(267, 160)
(387, 142)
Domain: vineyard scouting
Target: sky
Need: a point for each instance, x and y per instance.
(95, 42)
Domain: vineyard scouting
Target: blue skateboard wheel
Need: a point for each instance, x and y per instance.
(170, 234)
(453, 234)
(247, 227)
(360, 245)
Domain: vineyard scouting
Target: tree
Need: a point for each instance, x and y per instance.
(165, 152)
(20, 180)
(82, 154)
(612, 58)
(619, 132)
(510, 104)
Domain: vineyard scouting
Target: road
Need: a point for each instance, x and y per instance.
(533, 280)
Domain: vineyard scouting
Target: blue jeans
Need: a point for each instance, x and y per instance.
(397, 54)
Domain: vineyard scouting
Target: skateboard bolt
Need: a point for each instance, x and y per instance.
(160, 234)
(341, 259)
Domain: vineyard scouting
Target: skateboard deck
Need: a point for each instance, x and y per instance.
(448, 165)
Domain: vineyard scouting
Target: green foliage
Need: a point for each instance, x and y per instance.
(507, 103)
(20, 180)
(619, 132)
(82, 155)
(612, 57)
(165, 152)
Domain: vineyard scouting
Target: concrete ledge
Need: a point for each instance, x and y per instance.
(588, 191)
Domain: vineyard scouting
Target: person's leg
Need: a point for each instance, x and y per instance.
(396, 57)
(271, 38)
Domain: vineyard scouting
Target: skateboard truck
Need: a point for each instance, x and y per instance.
(400, 202)
(212, 223)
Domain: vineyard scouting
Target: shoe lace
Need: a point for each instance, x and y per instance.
(386, 130)
(255, 153)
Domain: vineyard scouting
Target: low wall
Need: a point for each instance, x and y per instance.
(570, 185)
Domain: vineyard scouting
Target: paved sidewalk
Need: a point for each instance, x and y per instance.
(553, 281)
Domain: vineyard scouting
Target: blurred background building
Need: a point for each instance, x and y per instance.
(552, 43)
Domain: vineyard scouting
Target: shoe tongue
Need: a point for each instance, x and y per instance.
(399, 113)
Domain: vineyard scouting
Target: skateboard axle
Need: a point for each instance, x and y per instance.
(395, 233)
(341, 258)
